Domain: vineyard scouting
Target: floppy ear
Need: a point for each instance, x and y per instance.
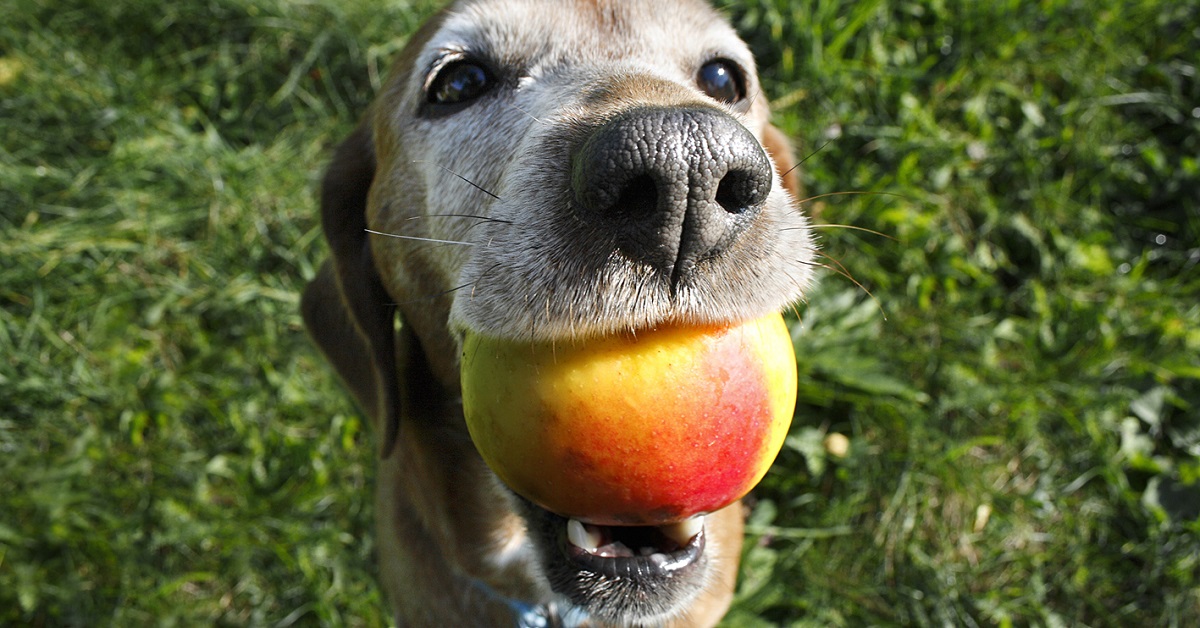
(346, 309)
(780, 149)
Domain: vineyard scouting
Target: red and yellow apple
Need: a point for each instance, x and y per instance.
(633, 429)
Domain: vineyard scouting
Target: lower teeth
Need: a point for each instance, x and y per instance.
(589, 538)
(583, 536)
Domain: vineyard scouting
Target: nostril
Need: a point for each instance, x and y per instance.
(670, 188)
(740, 191)
(638, 197)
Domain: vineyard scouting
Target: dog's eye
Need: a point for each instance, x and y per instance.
(458, 82)
(722, 80)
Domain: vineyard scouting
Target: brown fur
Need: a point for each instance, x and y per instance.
(455, 547)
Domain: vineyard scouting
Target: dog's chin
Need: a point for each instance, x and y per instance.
(623, 575)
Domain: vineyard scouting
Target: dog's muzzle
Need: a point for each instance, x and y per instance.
(676, 186)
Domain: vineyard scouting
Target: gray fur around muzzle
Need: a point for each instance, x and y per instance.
(676, 186)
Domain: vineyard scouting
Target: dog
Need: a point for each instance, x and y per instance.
(545, 171)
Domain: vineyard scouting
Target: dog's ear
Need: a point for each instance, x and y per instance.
(780, 149)
(346, 309)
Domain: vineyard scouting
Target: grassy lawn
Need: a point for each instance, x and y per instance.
(1015, 365)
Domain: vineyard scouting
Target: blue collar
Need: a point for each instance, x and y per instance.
(535, 615)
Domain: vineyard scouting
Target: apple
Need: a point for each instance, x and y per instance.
(645, 428)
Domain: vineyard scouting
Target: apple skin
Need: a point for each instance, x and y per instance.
(633, 429)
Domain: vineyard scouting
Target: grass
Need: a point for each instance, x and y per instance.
(1018, 376)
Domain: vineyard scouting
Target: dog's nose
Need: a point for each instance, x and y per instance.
(674, 186)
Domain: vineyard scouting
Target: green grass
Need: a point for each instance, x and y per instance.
(172, 449)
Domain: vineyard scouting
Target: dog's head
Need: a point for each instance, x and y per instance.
(550, 170)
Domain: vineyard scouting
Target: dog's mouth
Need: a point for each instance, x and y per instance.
(620, 574)
(633, 551)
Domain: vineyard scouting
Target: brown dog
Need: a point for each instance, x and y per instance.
(545, 170)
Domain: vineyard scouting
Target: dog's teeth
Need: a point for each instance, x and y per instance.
(684, 531)
(580, 536)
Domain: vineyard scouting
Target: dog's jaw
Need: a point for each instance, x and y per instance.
(695, 594)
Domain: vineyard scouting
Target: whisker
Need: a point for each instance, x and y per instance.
(530, 115)
(754, 98)
(795, 308)
(404, 237)
(482, 275)
(474, 216)
(432, 297)
(851, 227)
(466, 180)
(558, 106)
(841, 270)
(806, 158)
(850, 193)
